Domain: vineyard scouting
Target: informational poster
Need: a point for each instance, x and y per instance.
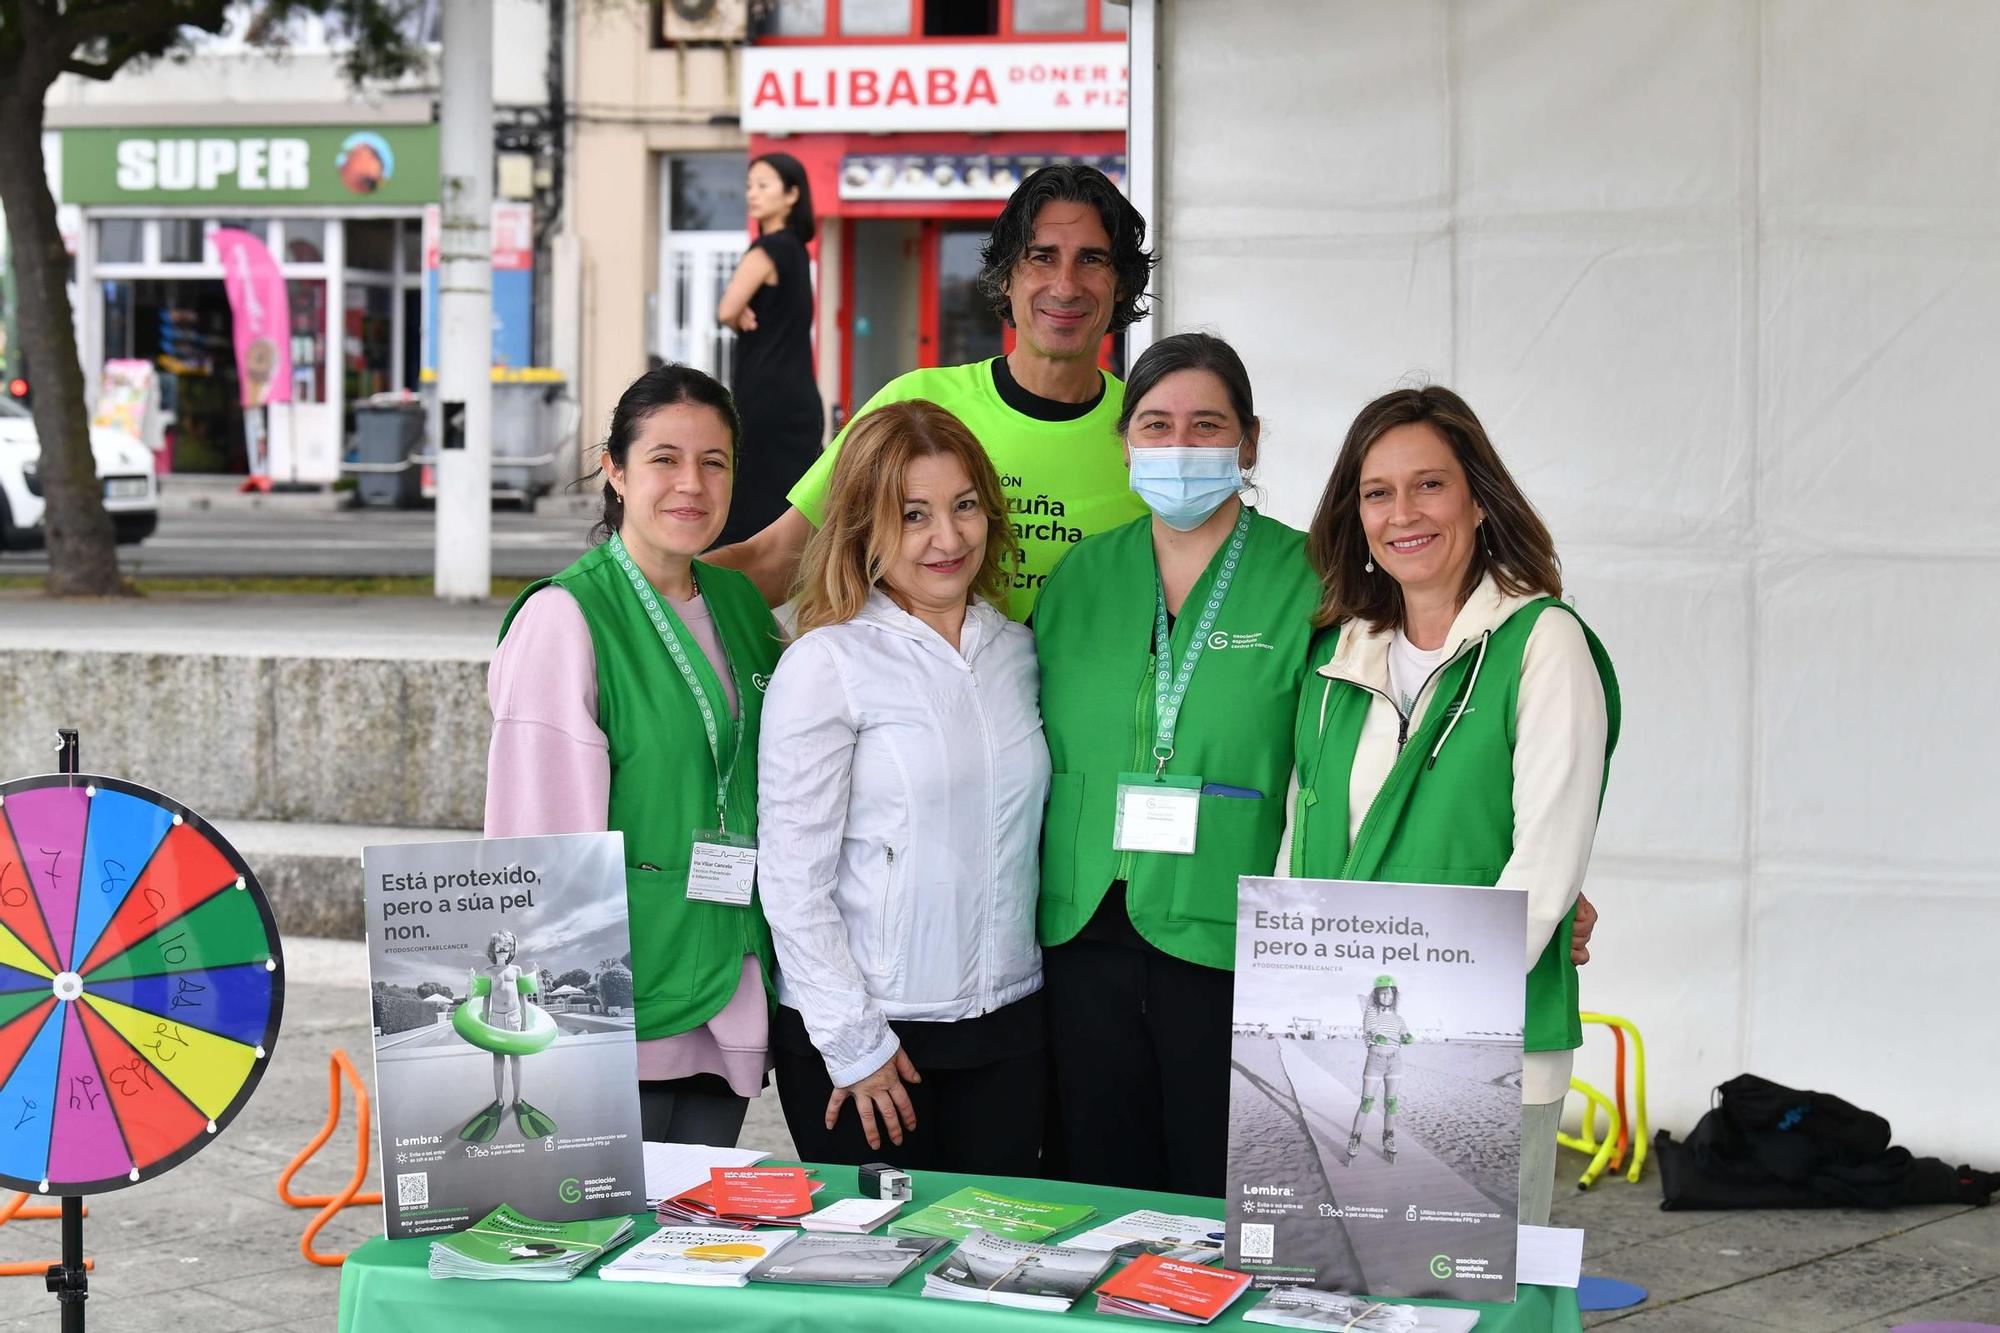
(506, 1066)
(1375, 1087)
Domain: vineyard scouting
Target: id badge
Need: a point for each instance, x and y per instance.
(722, 868)
(1156, 814)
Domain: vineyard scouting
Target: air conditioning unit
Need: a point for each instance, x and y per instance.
(704, 20)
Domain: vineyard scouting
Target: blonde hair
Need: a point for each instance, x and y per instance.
(863, 523)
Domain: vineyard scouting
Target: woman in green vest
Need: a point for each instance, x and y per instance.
(1458, 721)
(626, 695)
(1171, 652)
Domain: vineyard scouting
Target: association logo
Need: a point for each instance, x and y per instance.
(1441, 1266)
(760, 680)
(571, 1191)
(1220, 640)
(366, 162)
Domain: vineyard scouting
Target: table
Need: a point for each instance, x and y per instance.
(385, 1287)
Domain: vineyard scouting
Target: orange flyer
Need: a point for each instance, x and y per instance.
(759, 1191)
(1189, 1289)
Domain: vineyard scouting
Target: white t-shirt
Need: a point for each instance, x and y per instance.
(1409, 667)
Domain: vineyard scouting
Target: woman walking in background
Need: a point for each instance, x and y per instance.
(769, 302)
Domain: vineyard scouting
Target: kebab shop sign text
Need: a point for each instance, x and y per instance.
(933, 86)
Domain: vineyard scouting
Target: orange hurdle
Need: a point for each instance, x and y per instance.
(18, 1206)
(350, 1196)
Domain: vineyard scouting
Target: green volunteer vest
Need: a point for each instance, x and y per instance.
(1094, 635)
(1451, 822)
(687, 957)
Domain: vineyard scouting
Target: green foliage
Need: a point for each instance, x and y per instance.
(614, 988)
(400, 1013)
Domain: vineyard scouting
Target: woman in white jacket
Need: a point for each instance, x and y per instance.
(902, 774)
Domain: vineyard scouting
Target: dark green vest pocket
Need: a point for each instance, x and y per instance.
(658, 903)
(1234, 838)
(1059, 832)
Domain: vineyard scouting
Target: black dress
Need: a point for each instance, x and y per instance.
(783, 417)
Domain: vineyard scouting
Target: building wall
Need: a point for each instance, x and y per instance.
(631, 103)
(1720, 279)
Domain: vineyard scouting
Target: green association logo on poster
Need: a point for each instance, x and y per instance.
(308, 164)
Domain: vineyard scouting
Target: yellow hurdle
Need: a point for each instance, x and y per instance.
(1628, 1127)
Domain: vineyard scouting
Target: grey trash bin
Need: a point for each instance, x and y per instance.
(387, 435)
(528, 425)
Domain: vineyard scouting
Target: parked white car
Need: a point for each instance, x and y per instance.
(124, 466)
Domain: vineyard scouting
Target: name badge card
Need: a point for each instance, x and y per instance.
(1156, 814)
(722, 868)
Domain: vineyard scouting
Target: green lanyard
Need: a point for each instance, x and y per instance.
(1170, 692)
(710, 708)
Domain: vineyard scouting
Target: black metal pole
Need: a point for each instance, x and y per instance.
(70, 1280)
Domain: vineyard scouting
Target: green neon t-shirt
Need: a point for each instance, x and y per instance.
(1065, 480)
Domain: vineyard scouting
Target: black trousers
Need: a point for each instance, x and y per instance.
(981, 1118)
(1139, 1055)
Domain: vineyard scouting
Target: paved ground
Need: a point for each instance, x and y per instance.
(211, 1248)
(215, 533)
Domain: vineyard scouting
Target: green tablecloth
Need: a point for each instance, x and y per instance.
(385, 1287)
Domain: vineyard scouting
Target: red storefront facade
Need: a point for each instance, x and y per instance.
(913, 137)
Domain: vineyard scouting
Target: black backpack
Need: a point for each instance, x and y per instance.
(1765, 1145)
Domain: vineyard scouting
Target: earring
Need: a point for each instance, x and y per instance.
(1369, 568)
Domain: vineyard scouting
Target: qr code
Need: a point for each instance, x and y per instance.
(1258, 1240)
(413, 1190)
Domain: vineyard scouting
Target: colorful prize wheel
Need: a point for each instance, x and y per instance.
(140, 983)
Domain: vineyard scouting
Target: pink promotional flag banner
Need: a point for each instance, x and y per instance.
(258, 308)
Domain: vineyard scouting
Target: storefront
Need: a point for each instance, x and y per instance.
(340, 207)
(913, 140)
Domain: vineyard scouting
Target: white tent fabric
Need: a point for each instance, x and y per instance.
(1723, 281)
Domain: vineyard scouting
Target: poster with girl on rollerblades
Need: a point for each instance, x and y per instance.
(506, 1064)
(1375, 1087)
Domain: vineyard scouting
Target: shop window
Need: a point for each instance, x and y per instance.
(792, 18)
(304, 241)
(257, 227)
(121, 241)
(411, 239)
(1113, 17)
(371, 244)
(180, 240)
(961, 18)
(705, 191)
(874, 18)
(1049, 15)
(307, 298)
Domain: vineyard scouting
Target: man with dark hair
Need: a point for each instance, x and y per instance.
(1065, 264)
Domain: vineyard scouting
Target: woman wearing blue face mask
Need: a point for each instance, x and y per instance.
(1171, 651)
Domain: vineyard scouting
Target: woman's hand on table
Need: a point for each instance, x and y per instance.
(881, 1093)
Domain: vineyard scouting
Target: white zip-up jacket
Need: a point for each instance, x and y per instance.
(900, 791)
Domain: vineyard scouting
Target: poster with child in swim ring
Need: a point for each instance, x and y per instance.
(506, 1064)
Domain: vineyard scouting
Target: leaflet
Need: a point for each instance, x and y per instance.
(696, 1256)
(509, 1244)
(959, 1215)
(1302, 1307)
(1176, 1236)
(998, 1271)
(846, 1261)
(1154, 1288)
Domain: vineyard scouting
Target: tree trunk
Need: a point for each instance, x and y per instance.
(83, 549)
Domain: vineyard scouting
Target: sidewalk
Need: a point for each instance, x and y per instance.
(209, 1247)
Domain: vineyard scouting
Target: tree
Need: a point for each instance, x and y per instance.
(576, 976)
(41, 40)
